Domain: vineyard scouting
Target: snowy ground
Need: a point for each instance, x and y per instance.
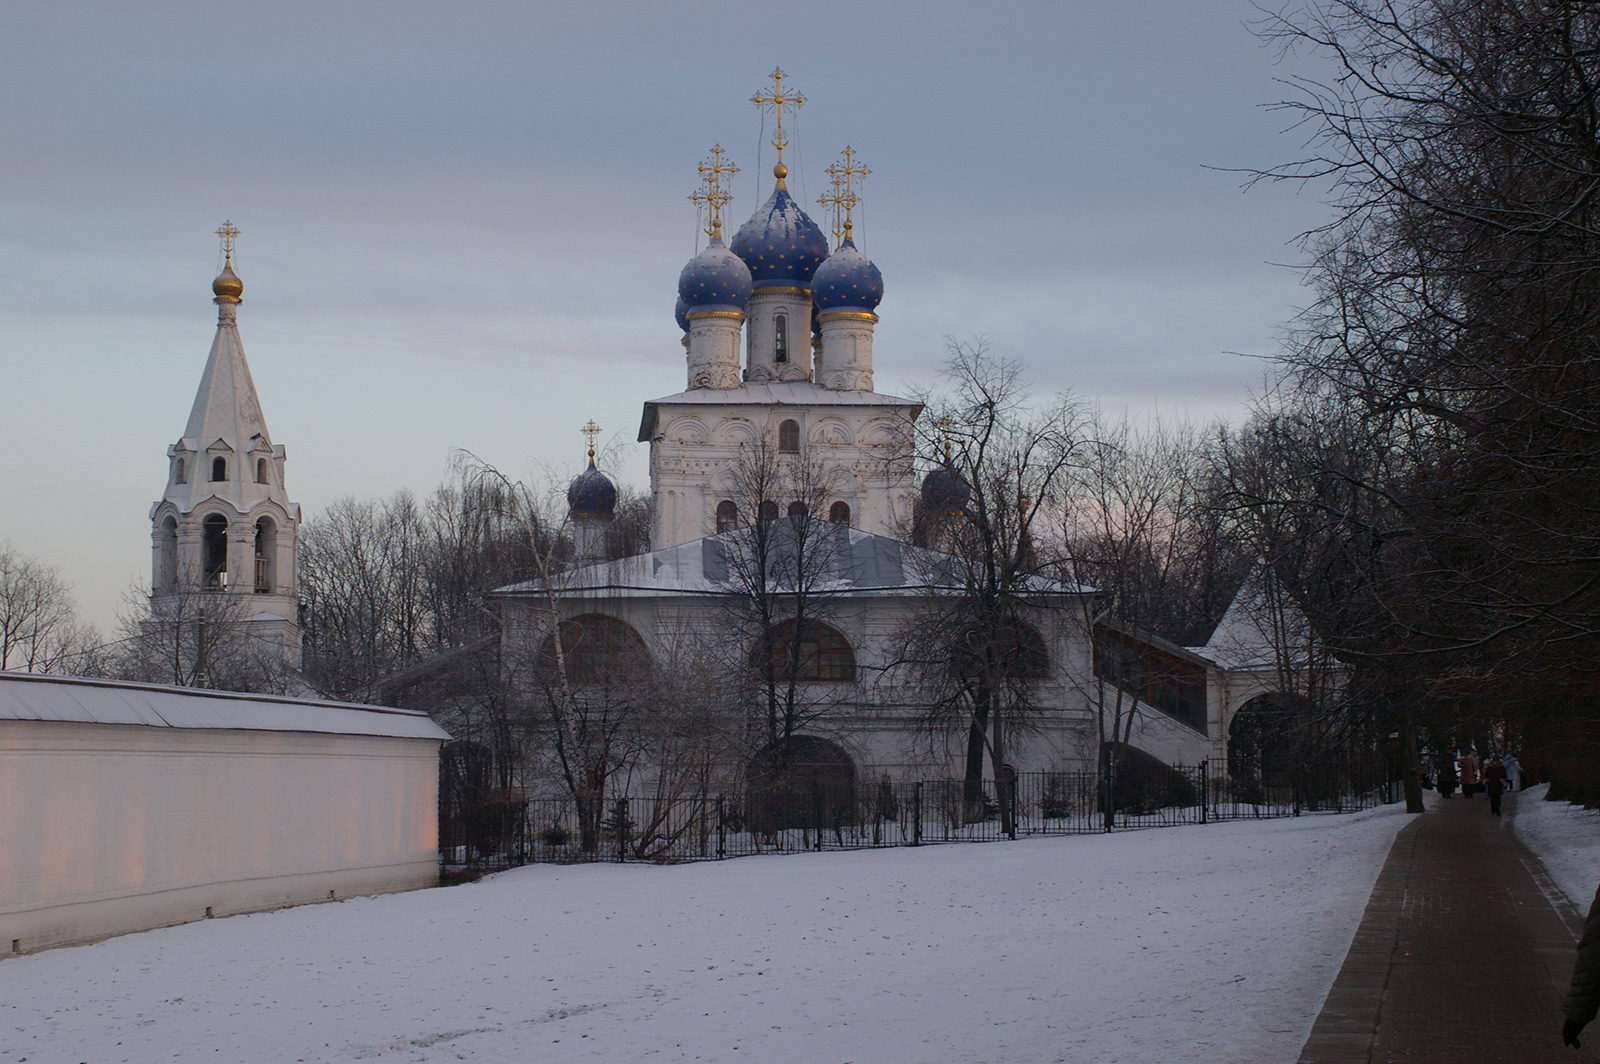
(1206, 943)
(1566, 838)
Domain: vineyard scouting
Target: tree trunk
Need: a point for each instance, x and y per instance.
(972, 783)
(1409, 775)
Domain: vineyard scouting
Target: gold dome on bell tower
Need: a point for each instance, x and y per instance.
(227, 287)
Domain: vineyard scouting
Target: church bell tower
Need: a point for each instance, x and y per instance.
(225, 525)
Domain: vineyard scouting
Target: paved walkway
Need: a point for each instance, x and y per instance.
(1462, 956)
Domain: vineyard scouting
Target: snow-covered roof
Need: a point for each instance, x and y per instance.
(1257, 633)
(773, 394)
(28, 696)
(854, 562)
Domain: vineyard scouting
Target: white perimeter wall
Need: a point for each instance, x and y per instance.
(106, 828)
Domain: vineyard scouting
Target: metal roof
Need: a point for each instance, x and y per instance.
(28, 696)
(848, 562)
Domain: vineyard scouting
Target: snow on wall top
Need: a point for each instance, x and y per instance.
(27, 696)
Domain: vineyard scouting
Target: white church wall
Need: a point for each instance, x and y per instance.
(111, 828)
(1162, 737)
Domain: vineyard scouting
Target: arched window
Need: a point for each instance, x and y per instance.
(769, 512)
(780, 349)
(839, 513)
(266, 556)
(167, 553)
(789, 437)
(261, 470)
(1009, 648)
(798, 509)
(822, 653)
(214, 539)
(727, 516)
(219, 468)
(599, 649)
(180, 475)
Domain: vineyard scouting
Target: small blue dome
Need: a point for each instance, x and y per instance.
(715, 279)
(944, 491)
(681, 312)
(592, 494)
(847, 281)
(780, 243)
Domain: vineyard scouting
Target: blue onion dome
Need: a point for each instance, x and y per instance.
(780, 243)
(847, 281)
(592, 494)
(944, 491)
(681, 312)
(715, 279)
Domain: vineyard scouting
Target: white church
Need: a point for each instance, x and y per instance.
(777, 334)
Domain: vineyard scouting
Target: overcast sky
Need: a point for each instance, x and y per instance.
(463, 224)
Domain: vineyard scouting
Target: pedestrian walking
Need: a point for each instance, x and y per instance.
(1494, 781)
(1467, 766)
(1513, 772)
(1447, 775)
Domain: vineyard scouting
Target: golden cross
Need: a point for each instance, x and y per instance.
(843, 199)
(777, 101)
(714, 193)
(591, 430)
(227, 233)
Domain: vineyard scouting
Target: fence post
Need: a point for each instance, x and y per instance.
(1205, 791)
(620, 815)
(916, 813)
(722, 836)
(816, 809)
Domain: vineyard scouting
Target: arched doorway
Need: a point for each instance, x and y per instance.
(1267, 743)
(804, 782)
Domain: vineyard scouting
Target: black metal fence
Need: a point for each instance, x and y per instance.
(502, 830)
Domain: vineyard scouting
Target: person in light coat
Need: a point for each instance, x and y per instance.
(1513, 772)
(1468, 767)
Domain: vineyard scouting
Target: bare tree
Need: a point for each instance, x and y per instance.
(976, 649)
(39, 627)
(782, 579)
(1456, 317)
(1132, 530)
(195, 636)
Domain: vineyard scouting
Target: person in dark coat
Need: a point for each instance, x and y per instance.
(1494, 781)
(1583, 994)
(1447, 775)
